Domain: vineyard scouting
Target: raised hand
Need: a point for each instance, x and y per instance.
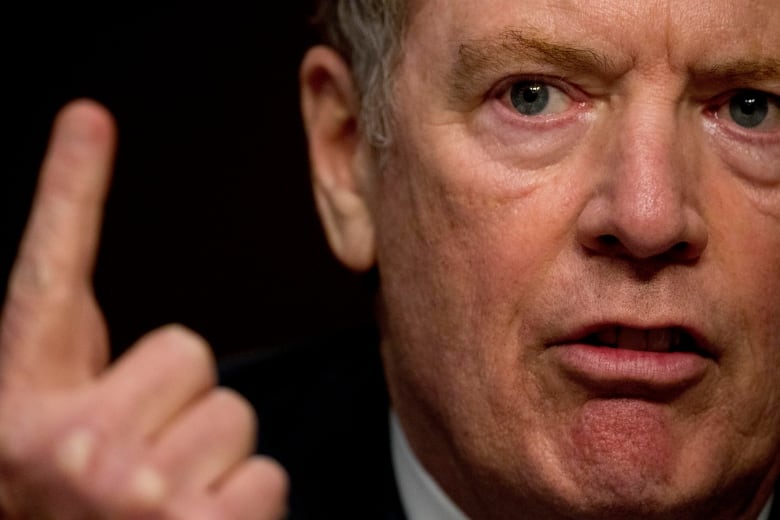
(147, 437)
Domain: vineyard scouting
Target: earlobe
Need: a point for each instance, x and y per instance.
(340, 158)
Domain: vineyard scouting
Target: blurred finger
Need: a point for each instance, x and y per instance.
(206, 441)
(256, 490)
(164, 372)
(49, 313)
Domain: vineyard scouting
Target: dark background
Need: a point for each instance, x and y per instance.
(210, 221)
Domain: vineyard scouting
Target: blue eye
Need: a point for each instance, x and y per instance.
(534, 98)
(749, 108)
(530, 98)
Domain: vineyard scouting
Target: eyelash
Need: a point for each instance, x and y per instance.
(577, 101)
(747, 134)
(503, 90)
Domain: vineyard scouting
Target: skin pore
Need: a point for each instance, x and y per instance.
(639, 199)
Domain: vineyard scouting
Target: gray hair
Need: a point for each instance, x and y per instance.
(369, 35)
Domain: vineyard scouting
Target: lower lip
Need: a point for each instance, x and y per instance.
(621, 369)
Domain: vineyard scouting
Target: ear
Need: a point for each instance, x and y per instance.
(340, 158)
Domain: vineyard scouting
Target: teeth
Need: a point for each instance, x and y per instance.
(653, 340)
(659, 340)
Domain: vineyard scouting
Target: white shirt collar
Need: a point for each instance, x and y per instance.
(767, 508)
(421, 496)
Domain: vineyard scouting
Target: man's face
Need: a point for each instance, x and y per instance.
(578, 235)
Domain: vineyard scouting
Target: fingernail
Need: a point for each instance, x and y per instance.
(79, 125)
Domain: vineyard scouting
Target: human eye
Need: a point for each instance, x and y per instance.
(533, 98)
(746, 125)
(751, 110)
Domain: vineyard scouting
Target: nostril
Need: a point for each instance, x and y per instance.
(610, 244)
(685, 251)
(605, 244)
(608, 240)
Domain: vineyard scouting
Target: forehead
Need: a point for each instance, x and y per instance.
(676, 31)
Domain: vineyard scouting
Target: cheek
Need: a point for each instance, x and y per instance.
(464, 258)
(753, 159)
(455, 239)
(758, 290)
(745, 243)
(746, 248)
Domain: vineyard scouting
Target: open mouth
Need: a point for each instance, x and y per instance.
(652, 362)
(648, 340)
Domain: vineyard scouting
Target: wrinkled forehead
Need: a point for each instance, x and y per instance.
(678, 32)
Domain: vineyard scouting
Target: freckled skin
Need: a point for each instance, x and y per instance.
(490, 246)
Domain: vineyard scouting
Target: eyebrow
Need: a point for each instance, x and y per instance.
(740, 71)
(480, 59)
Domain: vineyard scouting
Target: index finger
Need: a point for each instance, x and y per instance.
(50, 322)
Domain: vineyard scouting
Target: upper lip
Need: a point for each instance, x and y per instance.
(669, 337)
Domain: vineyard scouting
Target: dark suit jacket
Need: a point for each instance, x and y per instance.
(323, 411)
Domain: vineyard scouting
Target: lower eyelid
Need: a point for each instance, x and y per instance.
(769, 126)
(720, 110)
(746, 138)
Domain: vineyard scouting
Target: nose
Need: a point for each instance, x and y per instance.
(645, 204)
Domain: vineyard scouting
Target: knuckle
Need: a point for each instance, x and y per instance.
(148, 487)
(34, 283)
(38, 295)
(86, 445)
(78, 458)
(41, 439)
(85, 448)
(39, 267)
(28, 277)
(52, 460)
(105, 470)
(75, 452)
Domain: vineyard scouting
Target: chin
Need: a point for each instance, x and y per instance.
(629, 496)
(647, 475)
(626, 460)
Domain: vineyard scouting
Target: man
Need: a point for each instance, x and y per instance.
(574, 211)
